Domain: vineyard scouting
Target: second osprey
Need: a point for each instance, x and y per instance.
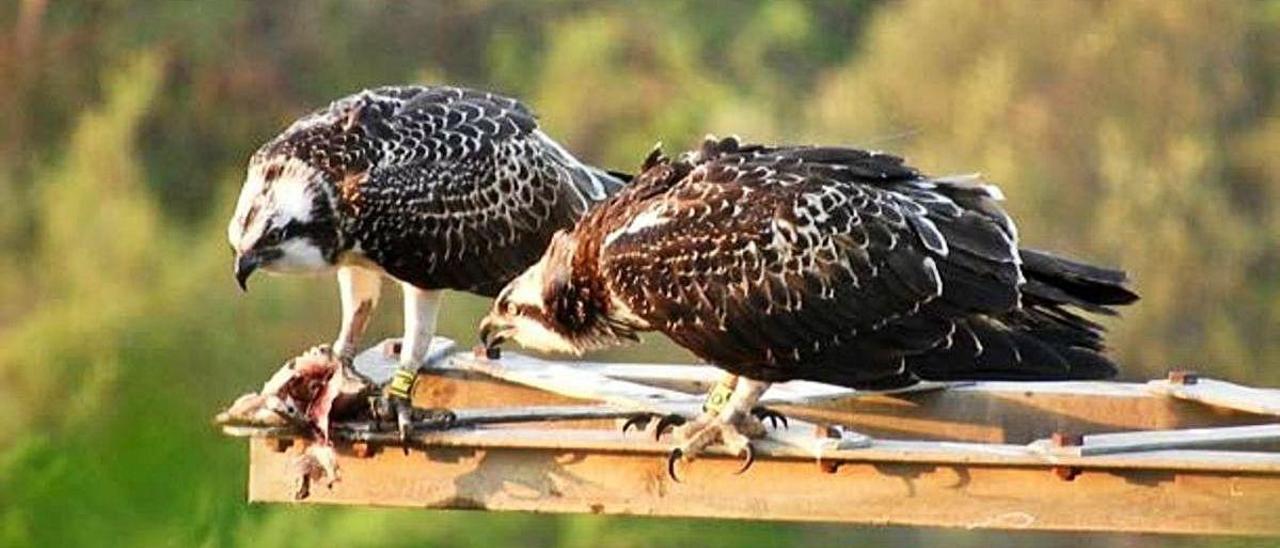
(820, 263)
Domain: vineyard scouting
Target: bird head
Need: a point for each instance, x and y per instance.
(284, 220)
(546, 309)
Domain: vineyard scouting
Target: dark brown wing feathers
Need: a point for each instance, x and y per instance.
(842, 266)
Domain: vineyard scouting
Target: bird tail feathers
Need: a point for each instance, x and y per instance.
(1047, 338)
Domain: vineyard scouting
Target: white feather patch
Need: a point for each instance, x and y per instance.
(529, 333)
(649, 219)
(298, 257)
(286, 197)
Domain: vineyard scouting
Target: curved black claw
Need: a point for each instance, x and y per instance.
(404, 421)
(639, 422)
(667, 421)
(774, 417)
(748, 460)
(674, 457)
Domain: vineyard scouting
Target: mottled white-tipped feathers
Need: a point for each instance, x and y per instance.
(824, 263)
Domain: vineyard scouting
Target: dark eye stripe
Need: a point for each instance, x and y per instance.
(531, 311)
(273, 236)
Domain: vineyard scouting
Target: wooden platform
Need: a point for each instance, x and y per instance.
(1173, 457)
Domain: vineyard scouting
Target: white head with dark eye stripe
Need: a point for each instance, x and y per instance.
(284, 221)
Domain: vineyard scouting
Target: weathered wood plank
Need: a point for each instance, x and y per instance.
(998, 412)
(463, 418)
(574, 380)
(590, 383)
(566, 477)
(1018, 413)
(877, 451)
(586, 381)
(941, 476)
(1222, 394)
(1003, 412)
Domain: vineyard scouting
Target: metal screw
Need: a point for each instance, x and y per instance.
(826, 431)
(1066, 473)
(1183, 377)
(829, 432)
(363, 449)
(1066, 439)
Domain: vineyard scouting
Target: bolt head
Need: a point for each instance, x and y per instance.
(1066, 439)
(1066, 473)
(1184, 377)
(826, 431)
(362, 449)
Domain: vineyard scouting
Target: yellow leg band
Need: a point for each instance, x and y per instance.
(717, 398)
(402, 383)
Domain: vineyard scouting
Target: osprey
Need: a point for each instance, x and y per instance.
(820, 263)
(434, 187)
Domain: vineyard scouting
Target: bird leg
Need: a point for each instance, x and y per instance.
(359, 289)
(421, 308)
(733, 425)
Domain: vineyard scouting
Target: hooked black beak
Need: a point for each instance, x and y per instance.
(246, 263)
(493, 332)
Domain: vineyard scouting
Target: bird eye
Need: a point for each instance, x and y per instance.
(271, 238)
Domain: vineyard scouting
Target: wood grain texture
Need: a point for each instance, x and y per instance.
(963, 456)
(977, 496)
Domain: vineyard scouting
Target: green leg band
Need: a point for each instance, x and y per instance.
(402, 383)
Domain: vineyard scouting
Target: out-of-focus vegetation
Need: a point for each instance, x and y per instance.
(1143, 133)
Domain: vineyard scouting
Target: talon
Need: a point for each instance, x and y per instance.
(403, 425)
(667, 421)
(748, 460)
(638, 421)
(304, 488)
(675, 455)
(774, 417)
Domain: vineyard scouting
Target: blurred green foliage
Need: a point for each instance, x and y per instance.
(1143, 133)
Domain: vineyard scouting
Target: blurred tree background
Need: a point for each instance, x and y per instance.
(1144, 134)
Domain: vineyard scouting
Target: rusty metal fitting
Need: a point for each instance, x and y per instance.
(1183, 377)
(363, 450)
(1066, 439)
